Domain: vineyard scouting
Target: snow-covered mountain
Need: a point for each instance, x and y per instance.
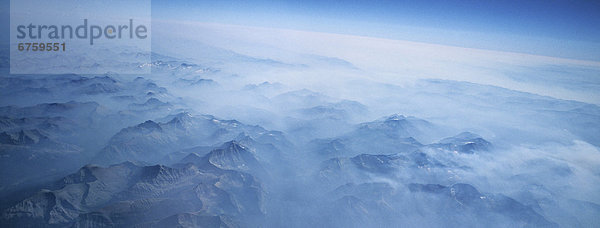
(108, 196)
(220, 138)
(150, 141)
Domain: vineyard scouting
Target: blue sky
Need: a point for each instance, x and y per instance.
(556, 28)
(559, 28)
(559, 19)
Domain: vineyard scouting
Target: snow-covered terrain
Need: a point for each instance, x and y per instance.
(253, 127)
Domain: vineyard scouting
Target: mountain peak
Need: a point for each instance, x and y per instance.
(234, 156)
(463, 136)
(150, 125)
(395, 117)
(183, 119)
(465, 142)
(233, 146)
(22, 137)
(396, 125)
(153, 100)
(242, 136)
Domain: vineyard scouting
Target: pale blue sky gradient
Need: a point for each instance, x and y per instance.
(554, 28)
(560, 28)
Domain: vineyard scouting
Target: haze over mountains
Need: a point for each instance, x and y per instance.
(224, 137)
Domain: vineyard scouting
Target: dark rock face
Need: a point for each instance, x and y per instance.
(328, 148)
(23, 137)
(360, 168)
(375, 163)
(223, 185)
(395, 127)
(151, 141)
(381, 204)
(29, 155)
(162, 166)
(389, 135)
(233, 156)
(467, 199)
(128, 194)
(466, 142)
(229, 156)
